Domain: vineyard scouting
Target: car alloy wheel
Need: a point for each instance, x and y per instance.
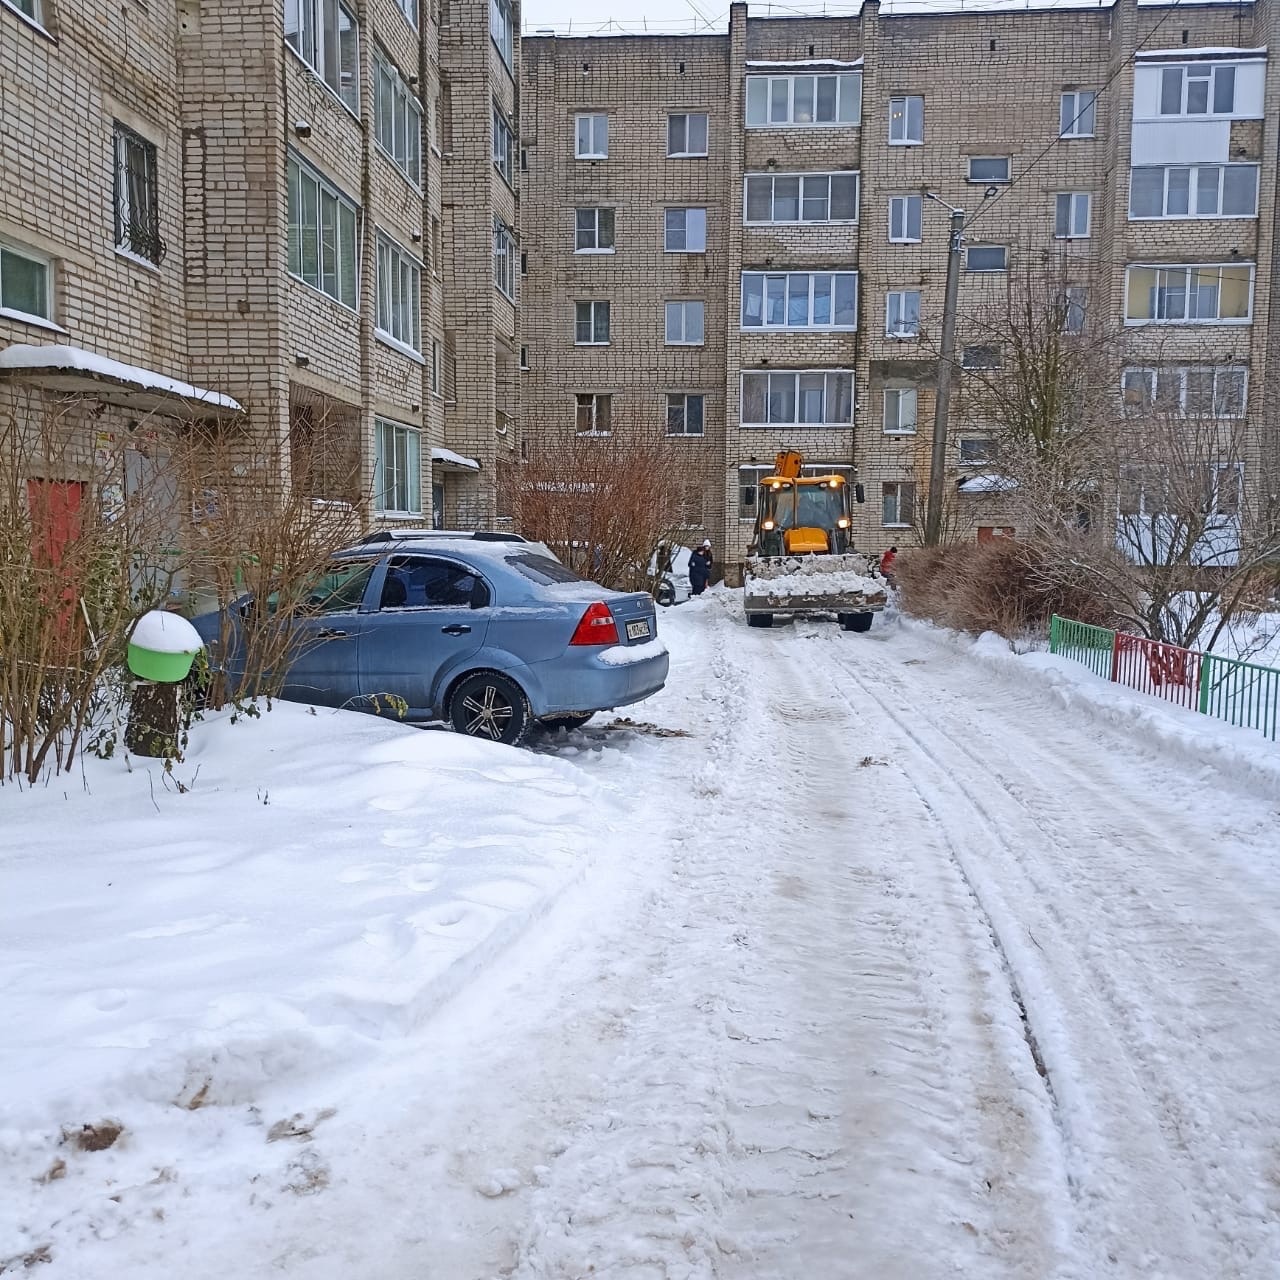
(491, 707)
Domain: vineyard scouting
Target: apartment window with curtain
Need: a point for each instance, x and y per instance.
(397, 120)
(26, 282)
(399, 316)
(324, 34)
(323, 244)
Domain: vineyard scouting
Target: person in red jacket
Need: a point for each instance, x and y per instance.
(887, 562)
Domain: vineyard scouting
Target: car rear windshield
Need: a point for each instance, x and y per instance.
(541, 569)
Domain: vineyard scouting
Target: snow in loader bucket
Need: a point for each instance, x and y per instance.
(808, 584)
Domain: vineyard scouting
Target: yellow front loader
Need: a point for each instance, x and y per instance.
(801, 558)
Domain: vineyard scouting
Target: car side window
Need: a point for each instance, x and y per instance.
(341, 589)
(416, 582)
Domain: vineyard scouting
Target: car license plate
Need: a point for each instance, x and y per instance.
(638, 630)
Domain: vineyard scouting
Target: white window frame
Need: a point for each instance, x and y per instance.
(985, 461)
(678, 307)
(312, 179)
(35, 17)
(765, 111)
(398, 281)
(1166, 270)
(900, 121)
(901, 409)
(898, 498)
(502, 30)
(319, 45)
(404, 484)
(901, 308)
(1078, 113)
(593, 402)
(803, 181)
(1007, 161)
(504, 146)
(900, 211)
(393, 98)
(597, 139)
(10, 248)
(1156, 396)
(410, 10)
(971, 249)
(689, 152)
(668, 229)
(594, 313)
(791, 286)
(830, 389)
(1193, 188)
(1211, 72)
(684, 397)
(597, 210)
(506, 259)
(1071, 202)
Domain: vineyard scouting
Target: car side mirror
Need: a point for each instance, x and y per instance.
(859, 493)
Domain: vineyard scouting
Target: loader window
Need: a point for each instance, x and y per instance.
(819, 507)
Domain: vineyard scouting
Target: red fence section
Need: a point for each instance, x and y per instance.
(1154, 667)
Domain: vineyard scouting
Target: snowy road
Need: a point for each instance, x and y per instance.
(933, 980)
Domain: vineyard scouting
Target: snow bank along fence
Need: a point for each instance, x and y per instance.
(1241, 693)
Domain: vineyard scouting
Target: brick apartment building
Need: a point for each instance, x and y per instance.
(728, 237)
(285, 215)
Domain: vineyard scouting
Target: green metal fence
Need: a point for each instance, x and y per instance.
(1241, 693)
(1092, 646)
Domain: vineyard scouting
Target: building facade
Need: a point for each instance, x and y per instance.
(759, 221)
(255, 213)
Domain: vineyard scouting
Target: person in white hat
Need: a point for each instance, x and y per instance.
(700, 568)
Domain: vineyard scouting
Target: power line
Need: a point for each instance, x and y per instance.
(1115, 75)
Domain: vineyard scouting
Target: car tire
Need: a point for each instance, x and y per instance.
(860, 621)
(573, 720)
(490, 707)
(759, 619)
(665, 595)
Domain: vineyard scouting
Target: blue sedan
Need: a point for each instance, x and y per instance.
(491, 637)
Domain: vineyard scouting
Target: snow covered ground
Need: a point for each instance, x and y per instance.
(875, 956)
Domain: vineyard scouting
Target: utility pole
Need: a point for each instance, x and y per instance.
(946, 362)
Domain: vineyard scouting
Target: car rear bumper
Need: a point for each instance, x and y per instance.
(590, 684)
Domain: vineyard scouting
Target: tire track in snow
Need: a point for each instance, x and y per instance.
(1168, 1185)
(815, 1080)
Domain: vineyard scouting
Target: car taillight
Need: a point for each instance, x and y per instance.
(597, 626)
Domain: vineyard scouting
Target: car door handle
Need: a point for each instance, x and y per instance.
(456, 629)
(330, 633)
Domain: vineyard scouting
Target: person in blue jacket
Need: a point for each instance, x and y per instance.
(700, 568)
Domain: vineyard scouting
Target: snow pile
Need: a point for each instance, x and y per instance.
(625, 655)
(184, 953)
(811, 576)
(162, 632)
(1243, 754)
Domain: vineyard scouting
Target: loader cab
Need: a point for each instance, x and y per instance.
(802, 516)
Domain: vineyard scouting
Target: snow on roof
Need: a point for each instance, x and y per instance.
(802, 62)
(24, 357)
(450, 458)
(1208, 51)
(990, 483)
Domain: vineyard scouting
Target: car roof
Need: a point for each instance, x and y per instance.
(500, 549)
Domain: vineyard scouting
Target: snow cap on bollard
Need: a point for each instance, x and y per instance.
(162, 647)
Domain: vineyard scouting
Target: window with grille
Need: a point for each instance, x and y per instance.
(323, 250)
(137, 196)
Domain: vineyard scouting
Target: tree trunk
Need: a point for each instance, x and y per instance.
(152, 729)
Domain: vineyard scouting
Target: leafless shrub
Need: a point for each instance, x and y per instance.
(603, 504)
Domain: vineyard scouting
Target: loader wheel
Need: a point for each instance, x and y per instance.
(860, 621)
(759, 619)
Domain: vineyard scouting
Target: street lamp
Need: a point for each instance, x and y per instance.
(946, 361)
